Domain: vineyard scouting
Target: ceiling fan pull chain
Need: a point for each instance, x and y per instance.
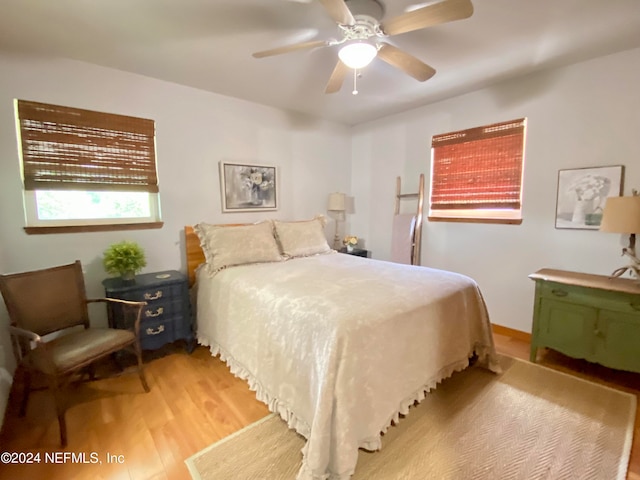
(355, 78)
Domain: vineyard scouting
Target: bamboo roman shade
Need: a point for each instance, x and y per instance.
(478, 168)
(67, 148)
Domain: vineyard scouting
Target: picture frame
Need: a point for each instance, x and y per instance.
(246, 187)
(582, 194)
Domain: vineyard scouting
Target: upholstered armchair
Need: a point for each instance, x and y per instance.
(51, 335)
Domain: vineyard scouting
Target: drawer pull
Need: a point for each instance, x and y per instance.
(152, 296)
(157, 331)
(598, 333)
(559, 293)
(149, 313)
(635, 306)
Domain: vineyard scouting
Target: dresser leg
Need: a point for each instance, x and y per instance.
(533, 354)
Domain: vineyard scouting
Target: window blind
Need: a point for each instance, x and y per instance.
(69, 148)
(478, 168)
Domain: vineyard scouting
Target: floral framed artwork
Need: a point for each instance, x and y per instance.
(582, 193)
(248, 188)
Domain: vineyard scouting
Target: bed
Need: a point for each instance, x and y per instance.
(339, 346)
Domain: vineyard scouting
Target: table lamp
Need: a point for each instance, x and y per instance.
(622, 215)
(337, 206)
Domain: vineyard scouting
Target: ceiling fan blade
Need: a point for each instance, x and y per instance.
(337, 78)
(339, 11)
(405, 62)
(290, 48)
(445, 11)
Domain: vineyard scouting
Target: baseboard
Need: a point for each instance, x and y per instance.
(510, 332)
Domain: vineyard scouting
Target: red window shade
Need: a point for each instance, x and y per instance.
(478, 168)
(67, 148)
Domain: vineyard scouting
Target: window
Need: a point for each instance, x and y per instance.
(476, 174)
(86, 170)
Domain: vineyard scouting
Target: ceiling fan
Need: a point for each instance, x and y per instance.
(362, 34)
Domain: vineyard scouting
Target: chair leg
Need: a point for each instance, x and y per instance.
(143, 379)
(26, 380)
(54, 385)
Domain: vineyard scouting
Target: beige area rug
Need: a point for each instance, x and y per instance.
(529, 422)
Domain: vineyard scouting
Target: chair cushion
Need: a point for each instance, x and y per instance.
(78, 349)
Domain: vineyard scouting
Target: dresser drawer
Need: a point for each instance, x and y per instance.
(615, 301)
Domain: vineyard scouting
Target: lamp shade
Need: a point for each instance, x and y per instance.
(336, 202)
(357, 54)
(621, 215)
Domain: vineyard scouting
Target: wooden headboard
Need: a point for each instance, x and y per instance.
(195, 255)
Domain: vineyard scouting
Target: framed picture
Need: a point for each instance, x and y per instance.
(582, 193)
(248, 188)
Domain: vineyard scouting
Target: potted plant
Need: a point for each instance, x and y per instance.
(125, 258)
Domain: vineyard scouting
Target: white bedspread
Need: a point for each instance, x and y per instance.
(340, 345)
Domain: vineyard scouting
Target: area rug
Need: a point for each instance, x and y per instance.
(530, 422)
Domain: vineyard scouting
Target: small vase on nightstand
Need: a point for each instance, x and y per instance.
(349, 248)
(128, 277)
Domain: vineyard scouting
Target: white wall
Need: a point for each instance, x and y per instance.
(584, 115)
(195, 131)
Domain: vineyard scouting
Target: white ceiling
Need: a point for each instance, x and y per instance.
(208, 44)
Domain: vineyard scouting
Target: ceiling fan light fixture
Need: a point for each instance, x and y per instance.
(357, 54)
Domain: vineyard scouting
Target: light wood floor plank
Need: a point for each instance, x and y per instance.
(194, 401)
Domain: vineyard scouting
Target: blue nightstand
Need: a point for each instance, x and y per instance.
(358, 252)
(167, 316)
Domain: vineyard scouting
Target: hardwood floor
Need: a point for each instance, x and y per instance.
(194, 401)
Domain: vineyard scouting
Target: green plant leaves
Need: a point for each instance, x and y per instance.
(125, 256)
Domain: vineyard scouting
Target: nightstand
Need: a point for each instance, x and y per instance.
(167, 316)
(358, 252)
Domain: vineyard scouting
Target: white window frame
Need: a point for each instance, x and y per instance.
(32, 219)
(35, 224)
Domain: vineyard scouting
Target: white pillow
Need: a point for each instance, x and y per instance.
(226, 246)
(301, 239)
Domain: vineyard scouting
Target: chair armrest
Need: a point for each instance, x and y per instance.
(28, 334)
(117, 300)
(23, 341)
(132, 306)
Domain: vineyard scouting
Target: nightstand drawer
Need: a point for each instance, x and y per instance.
(158, 293)
(181, 327)
(166, 309)
(154, 334)
(166, 317)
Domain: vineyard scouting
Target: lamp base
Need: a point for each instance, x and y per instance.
(634, 266)
(336, 237)
(634, 269)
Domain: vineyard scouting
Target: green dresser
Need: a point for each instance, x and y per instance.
(593, 317)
